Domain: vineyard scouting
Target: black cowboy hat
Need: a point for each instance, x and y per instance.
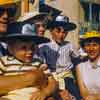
(62, 21)
(51, 11)
(18, 31)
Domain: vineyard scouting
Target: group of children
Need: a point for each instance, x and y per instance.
(23, 45)
(48, 62)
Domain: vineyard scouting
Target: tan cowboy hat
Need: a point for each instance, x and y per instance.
(32, 16)
(4, 2)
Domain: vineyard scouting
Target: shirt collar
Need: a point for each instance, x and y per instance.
(98, 62)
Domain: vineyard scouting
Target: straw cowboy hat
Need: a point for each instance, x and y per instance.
(31, 17)
(92, 34)
(4, 2)
(62, 21)
(45, 14)
(19, 31)
(12, 8)
(88, 36)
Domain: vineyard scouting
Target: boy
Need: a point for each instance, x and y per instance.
(58, 54)
(22, 76)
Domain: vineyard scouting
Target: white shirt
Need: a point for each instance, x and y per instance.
(90, 76)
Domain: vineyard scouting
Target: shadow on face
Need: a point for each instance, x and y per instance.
(6, 13)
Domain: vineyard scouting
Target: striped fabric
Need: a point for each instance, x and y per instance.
(58, 57)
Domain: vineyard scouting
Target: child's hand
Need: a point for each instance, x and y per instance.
(43, 67)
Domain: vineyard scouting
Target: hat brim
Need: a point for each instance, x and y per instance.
(38, 17)
(67, 26)
(89, 37)
(9, 2)
(84, 40)
(36, 39)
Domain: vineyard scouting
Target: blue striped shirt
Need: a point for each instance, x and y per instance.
(58, 57)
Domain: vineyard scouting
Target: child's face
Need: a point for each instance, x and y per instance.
(23, 51)
(59, 34)
(93, 49)
(40, 28)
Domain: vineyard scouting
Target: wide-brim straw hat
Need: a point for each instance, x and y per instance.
(32, 17)
(7, 2)
(91, 34)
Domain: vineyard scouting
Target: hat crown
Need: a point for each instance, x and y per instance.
(3, 2)
(91, 34)
(20, 31)
(28, 29)
(62, 18)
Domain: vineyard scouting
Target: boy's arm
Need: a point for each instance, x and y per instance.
(12, 82)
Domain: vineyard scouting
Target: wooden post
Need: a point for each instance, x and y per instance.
(25, 6)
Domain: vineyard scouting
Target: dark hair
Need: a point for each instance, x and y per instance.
(88, 40)
(58, 27)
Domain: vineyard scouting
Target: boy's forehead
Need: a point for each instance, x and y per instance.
(60, 29)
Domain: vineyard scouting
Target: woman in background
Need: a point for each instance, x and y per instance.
(88, 72)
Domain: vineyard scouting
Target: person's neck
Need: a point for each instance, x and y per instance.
(94, 60)
(59, 42)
